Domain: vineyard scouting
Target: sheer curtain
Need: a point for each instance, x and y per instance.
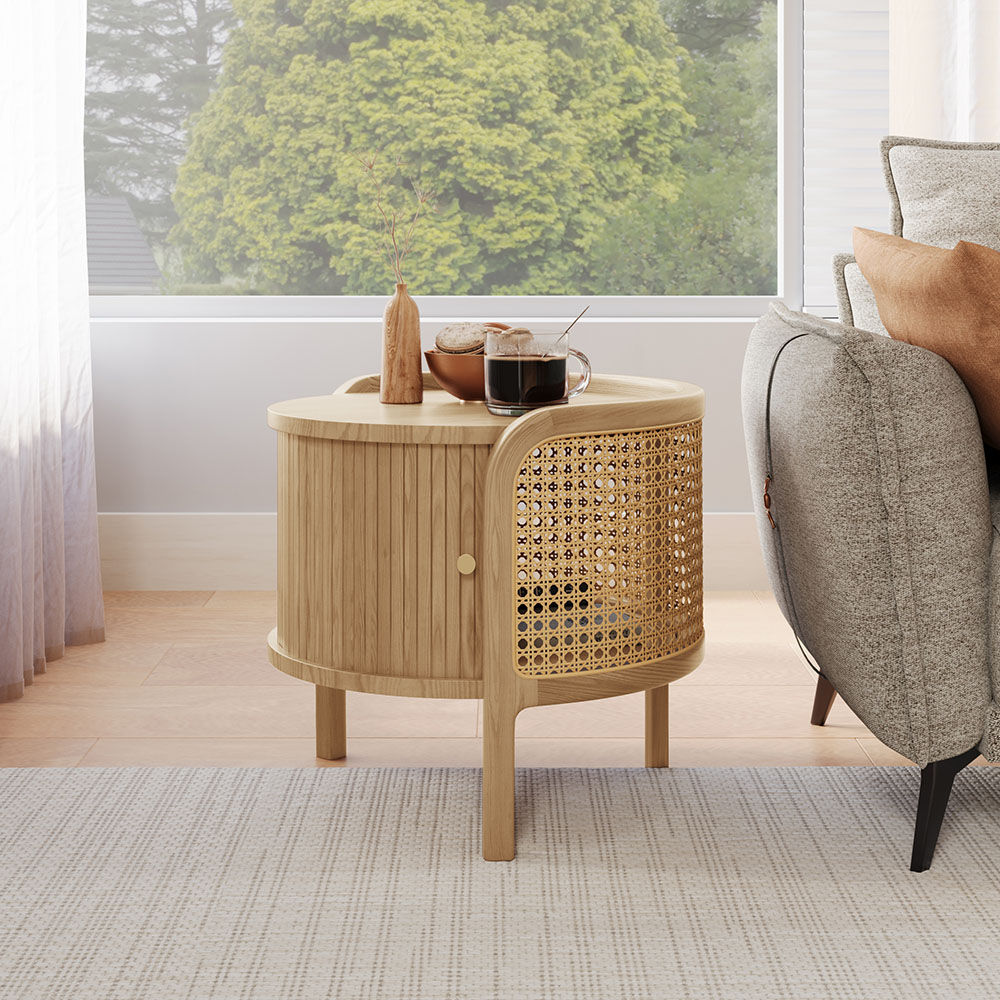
(944, 69)
(50, 583)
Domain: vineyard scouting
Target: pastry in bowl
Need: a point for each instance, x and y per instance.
(457, 360)
(461, 338)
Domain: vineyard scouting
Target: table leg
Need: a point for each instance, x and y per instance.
(331, 723)
(657, 726)
(498, 783)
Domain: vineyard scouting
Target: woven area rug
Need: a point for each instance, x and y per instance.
(287, 884)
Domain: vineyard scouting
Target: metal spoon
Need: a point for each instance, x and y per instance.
(555, 343)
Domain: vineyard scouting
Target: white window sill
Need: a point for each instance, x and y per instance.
(638, 310)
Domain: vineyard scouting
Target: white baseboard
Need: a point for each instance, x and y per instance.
(188, 551)
(733, 560)
(237, 552)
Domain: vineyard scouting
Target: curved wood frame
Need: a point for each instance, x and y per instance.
(506, 692)
(373, 383)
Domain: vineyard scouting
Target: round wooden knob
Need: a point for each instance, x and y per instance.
(466, 564)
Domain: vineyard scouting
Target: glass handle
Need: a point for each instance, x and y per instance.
(585, 380)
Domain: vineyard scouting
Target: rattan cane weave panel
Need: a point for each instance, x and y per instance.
(608, 550)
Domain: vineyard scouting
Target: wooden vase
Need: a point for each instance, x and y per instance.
(402, 381)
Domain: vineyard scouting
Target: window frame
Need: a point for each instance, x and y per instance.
(528, 308)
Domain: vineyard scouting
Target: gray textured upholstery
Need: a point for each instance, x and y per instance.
(855, 298)
(943, 192)
(880, 493)
(991, 741)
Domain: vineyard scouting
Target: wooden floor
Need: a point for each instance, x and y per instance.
(183, 678)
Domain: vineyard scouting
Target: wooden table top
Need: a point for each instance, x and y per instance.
(443, 419)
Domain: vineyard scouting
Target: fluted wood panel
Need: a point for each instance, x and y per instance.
(369, 536)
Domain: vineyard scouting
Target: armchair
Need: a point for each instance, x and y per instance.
(881, 552)
(881, 537)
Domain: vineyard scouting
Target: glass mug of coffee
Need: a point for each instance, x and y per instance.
(526, 370)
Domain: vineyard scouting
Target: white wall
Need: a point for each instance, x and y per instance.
(179, 413)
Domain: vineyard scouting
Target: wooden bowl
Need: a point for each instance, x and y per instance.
(463, 375)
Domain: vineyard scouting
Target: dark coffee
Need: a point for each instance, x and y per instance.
(525, 381)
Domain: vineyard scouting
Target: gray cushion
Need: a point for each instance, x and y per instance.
(855, 298)
(940, 193)
(943, 192)
(880, 495)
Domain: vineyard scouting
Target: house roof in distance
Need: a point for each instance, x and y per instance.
(118, 257)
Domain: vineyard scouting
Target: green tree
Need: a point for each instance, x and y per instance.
(533, 121)
(720, 236)
(706, 27)
(150, 64)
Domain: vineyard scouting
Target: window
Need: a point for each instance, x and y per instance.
(576, 147)
(846, 113)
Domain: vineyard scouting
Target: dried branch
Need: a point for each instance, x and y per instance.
(391, 227)
(423, 197)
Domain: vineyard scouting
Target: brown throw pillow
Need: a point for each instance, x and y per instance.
(945, 300)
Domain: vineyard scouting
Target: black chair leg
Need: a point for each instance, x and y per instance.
(936, 780)
(823, 701)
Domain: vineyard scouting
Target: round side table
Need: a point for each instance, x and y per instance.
(436, 550)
